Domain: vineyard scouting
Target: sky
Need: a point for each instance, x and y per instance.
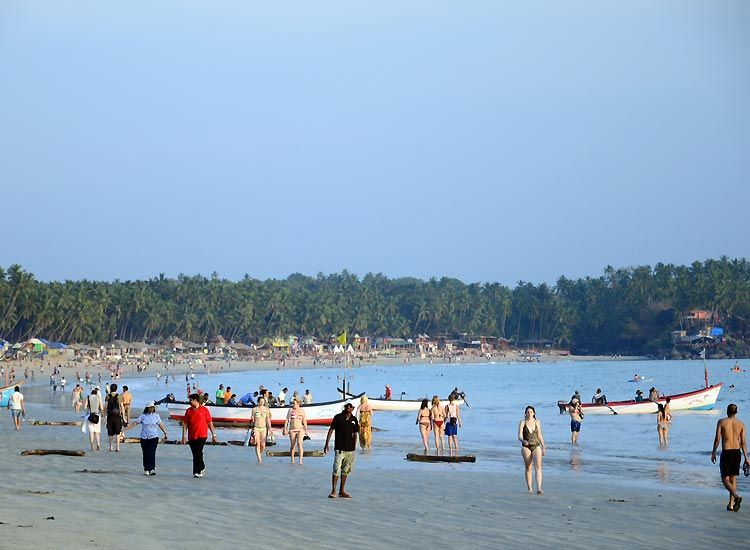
(488, 141)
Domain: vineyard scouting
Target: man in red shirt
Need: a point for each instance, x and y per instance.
(195, 432)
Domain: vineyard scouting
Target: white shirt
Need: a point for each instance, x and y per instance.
(16, 399)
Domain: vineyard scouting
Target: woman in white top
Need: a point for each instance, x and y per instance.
(94, 405)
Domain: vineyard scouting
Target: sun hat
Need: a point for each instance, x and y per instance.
(151, 404)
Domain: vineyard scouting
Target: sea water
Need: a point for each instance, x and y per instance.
(622, 447)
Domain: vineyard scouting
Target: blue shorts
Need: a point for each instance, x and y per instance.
(16, 413)
(575, 426)
(451, 429)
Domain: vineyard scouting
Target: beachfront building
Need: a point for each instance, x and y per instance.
(361, 343)
(240, 349)
(217, 344)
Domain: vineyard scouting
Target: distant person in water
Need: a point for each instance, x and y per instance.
(532, 447)
(387, 391)
(731, 433)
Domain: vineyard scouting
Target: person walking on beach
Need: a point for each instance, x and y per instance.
(115, 415)
(77, 397)
(296, 427)
(127, 402)
(95, 411)
(365, 423)
(425, 423)
(150, 425)
(17, 407)
(731, 433)
(532, 447)
(453, 414)
(261, 427)
(346, 427)
(195, 429)
(662, 426)
(437, 415)
(576, 417)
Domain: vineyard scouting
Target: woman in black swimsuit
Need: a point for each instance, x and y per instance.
(532, 447)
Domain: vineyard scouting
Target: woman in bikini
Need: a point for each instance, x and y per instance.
(296, 426)
(424, 422)
(532, 447)
(437, 413)
(662, 425)
(261, 427)
(365, 423)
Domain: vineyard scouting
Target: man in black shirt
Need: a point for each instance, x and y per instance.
(346, 427)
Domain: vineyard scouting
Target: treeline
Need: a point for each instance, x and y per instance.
(628, 310)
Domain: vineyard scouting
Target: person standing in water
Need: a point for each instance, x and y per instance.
(424, 423)
(662, 426)
(453, 414)
(731, 433)
(437, 414)
(365, 423)
(532, 447)
(576, 417)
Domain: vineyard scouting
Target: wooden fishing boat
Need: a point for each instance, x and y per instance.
(320, 414)
(698, 400)
(380, 404)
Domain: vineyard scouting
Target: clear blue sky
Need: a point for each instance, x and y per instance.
(485, 140)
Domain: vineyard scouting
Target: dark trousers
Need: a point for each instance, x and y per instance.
(196, 447)
(148, 446)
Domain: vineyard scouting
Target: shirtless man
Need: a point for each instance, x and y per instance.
(731, 432)
(576, 416)
(127, 401)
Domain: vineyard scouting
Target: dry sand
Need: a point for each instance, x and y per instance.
(239, 502)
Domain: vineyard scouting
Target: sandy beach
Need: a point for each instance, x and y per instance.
(239, 502)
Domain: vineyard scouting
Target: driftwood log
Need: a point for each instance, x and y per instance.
(42, 452)
(53, 423)
(287, 453)
(440, 458)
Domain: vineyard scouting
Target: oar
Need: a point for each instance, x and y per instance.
(610, 408)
